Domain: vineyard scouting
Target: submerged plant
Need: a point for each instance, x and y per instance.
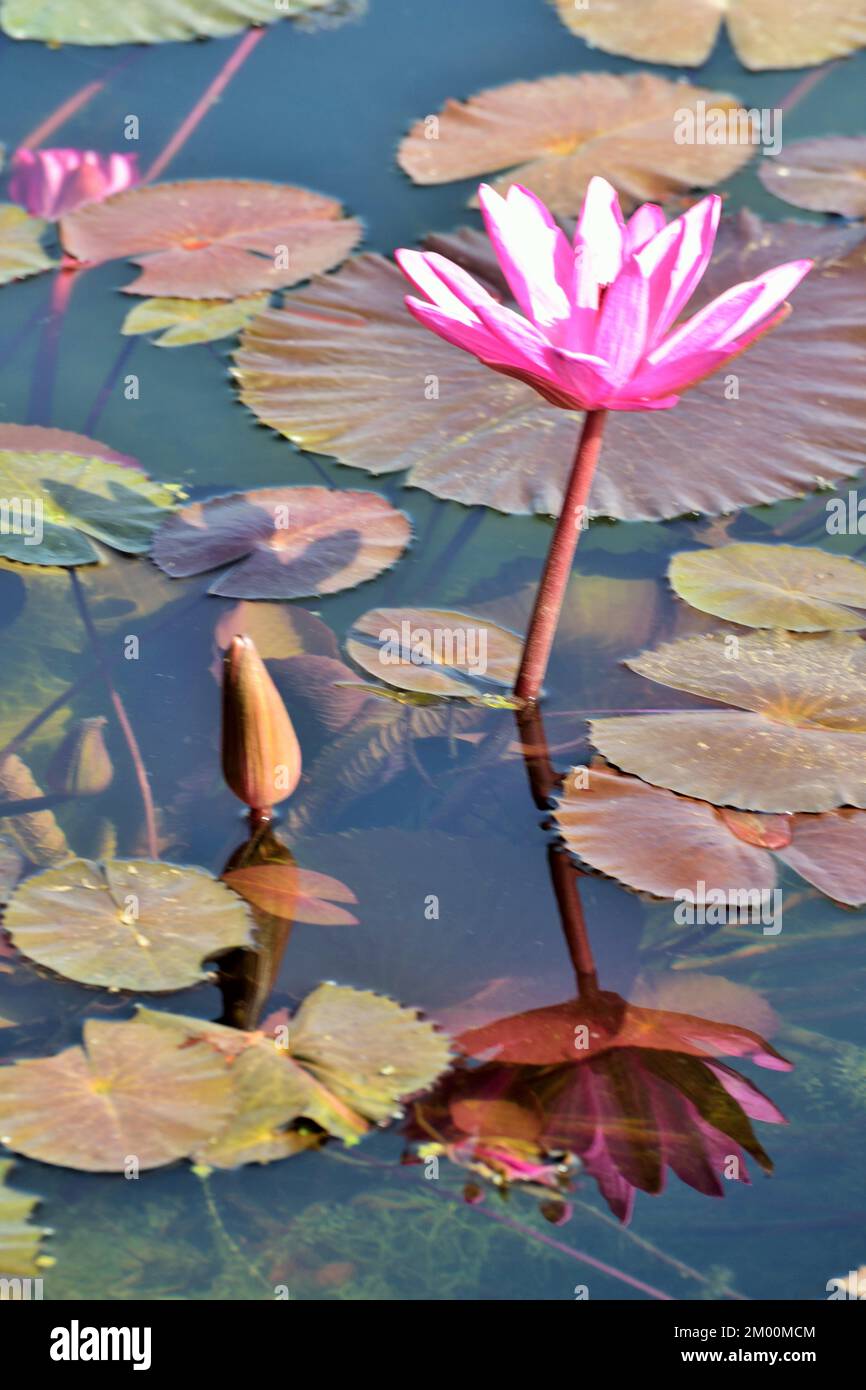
(596, 332)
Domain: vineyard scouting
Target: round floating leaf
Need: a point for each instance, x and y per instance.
(472, 435)
(367, 1050)
(829, 851)
(21, 252)
(789, 586)
(605, 823)
(132, 1091)
(347, 1058)
(213, 238)
(764, 33)
(296, 895)
(434, 651)
(560, 131)
(64, 498)
(801, 747)
(126, 924)
(278, 632)
(192, 320)
(821, 175)
(290, 542)
(19, 1240)
(142, 21)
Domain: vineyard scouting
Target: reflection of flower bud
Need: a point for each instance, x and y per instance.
(81, 766)
(49, 183)
(261, 756)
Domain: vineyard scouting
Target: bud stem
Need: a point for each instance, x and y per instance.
(557, 567)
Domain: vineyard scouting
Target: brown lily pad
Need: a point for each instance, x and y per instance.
(764, 33)
(555, 133)
(131, 1092)
(821, 175)
(797, 742)
(283, 543)
(605, 825)
(126, 924)
(41, 439)
(213, 238)
(469, 434)
(433, 651)
(344, 1061)
(795, 587)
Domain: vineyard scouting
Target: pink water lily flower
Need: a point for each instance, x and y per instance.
(596, 327)
(49, 183)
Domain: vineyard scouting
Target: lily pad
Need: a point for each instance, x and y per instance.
(296, 895)
(764, 33)
(605, 825)
(42, 439)
(469, 434)
(289, 542)
(21, 253)
(188, 321)
(433, 651)
(555, 133)
(821, 175)
(349, 1058)
(795, 587)
(131, 1092)
(65, 498)
(213, 238)
(126, 924)
(142, 21)
(19, 1238)
(797, 742)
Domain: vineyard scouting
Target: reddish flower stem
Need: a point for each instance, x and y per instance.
(557, 567)
(212, 93)
(121, 715)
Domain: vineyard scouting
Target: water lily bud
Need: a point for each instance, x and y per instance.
(261, 756)
(81, 766)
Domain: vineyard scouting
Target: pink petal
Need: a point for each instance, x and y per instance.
(642, 226)
(420, 268)
(732, 316)
(601, 229)
(621, 335)
(533, 252)
(675, 261)
(472, 337)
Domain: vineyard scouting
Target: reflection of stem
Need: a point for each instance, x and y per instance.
(557, 567)
(214, 91)
(45, 367)
(33, 803)
(105, 390)
(73, 105)
(543, 781)
(121, 715)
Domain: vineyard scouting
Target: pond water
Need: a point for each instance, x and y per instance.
(416, 813)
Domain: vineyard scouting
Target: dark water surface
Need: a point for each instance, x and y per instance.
(325, 108)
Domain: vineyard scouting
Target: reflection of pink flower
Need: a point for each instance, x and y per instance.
(596, 327)
(49, 183)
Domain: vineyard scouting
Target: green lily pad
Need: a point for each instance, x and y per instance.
(433, 651)
(132, 1092)
(98, 22)
(188, 321)
(60, 499)
(346, 1059)
(21, 252)
(126, 924)
(796, 587)
(19, 1240)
